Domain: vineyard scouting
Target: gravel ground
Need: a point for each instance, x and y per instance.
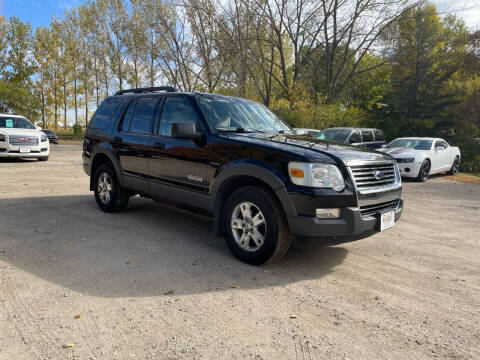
(153, 283)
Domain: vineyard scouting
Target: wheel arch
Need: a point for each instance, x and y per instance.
(242, 175)
(102, 156)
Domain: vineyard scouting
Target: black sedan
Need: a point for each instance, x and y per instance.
(52, 137)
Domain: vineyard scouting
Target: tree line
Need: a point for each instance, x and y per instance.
(393, 64)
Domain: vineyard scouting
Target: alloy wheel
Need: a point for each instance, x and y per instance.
(105, 187)
(248, 226)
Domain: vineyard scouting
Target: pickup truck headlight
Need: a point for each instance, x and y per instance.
(316, 175)
(44, 138)
(405, 160)
(2, 138)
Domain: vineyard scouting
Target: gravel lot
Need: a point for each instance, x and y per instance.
(153, 283)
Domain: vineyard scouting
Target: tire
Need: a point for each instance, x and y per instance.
(110, 196)
(244, 237)
(44, 158)
(424, 171)
(455, 166)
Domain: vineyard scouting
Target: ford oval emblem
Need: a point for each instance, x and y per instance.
(378, 175)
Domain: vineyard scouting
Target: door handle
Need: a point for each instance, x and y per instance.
(158, 145)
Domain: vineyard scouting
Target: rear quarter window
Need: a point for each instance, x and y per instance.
(379, 135)
(105, 113)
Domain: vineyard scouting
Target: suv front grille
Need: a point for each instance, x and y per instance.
(370, 210)
(373, 175)
(22, 140)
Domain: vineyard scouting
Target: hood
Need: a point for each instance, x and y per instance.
(400, 152)
(17, 131)
(310, 148)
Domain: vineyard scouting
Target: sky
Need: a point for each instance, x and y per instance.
(39, 12)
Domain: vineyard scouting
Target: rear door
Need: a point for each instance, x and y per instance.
(174, 162)
(379, 138)
(133, 139)
(368, 139)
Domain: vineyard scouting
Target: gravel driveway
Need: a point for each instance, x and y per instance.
(153, 283)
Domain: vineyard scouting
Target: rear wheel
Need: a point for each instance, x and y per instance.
(455, 166)
(255, 226)
(109, 194)
(424, 172)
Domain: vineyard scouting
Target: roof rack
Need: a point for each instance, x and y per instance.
(146, 90)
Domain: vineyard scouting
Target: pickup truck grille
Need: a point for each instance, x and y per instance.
(370, 210)
(373, 175)
(23, 140)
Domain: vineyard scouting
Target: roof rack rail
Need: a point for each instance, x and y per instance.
(146, 90)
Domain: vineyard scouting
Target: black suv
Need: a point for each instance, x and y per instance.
(235, 160)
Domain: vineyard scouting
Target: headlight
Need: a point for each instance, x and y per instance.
(316, 175)
(405, 160)
(44, 138)
(2, 137)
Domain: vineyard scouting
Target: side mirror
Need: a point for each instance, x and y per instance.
(185, 131)
(383, 146)
(38, 127)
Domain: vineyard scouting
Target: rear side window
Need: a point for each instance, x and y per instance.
(105, 113)
(127, 118)
(143, 116)
(367, 135)
(355, 138)
(379, 135)
(177, 110)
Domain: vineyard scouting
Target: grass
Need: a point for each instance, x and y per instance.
(466, 178)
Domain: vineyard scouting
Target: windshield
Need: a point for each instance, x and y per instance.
(232, 114)
(15, 122)
(411, 144)
(339, 135)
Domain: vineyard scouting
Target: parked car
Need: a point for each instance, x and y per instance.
(364, 137)
(420, 157)
(19, 138)
(307, 132)
(52, 137)
(235, 160)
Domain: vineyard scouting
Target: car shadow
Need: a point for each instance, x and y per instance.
(148, 250)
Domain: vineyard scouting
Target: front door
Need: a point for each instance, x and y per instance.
(177, 163)
(133, 140)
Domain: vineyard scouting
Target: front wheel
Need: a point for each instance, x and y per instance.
(43, 158)
(455, 166)
(255, 226)
(424, 171)
(109, 194)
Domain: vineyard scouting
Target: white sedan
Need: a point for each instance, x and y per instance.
(420, 157)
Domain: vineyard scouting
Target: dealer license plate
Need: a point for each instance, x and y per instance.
(24, 150)
(387, 220)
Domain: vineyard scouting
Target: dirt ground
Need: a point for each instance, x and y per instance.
(153, 283)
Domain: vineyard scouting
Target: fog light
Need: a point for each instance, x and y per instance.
(407, 169)
(328, 213)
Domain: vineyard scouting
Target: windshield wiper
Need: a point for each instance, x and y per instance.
(239, 130)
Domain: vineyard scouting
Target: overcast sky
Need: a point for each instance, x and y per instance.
(469, 10)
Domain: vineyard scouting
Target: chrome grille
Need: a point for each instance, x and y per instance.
(370, 210)
(23, 140)
(373, 175)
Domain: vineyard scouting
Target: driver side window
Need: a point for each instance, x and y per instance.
(355, 138)
(177, 110)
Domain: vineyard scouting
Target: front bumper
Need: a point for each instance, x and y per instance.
(351, 225)
(10, 151)
(409, 169)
